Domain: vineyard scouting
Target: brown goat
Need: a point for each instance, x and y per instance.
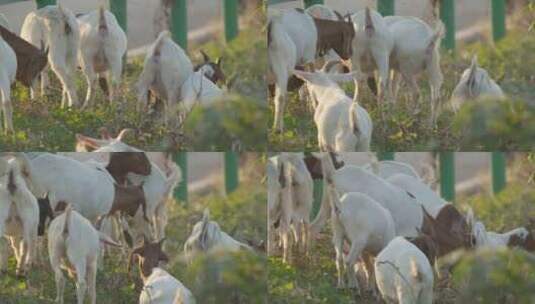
(427, 245)
(30, 60)
(122, 163)
(148, 256)
(449, 230)
(336, 35)
(128, 199)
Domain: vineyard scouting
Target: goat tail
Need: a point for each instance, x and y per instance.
(68, 211)
(158, 44)
(415, 271)
(369, 28)
(102, 26)
(11, 185)
(353, 119)
(434, 42)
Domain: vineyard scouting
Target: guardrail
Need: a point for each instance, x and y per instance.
(231, 169)
(179, 17)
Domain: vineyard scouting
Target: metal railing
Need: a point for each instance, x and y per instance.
(231, 170)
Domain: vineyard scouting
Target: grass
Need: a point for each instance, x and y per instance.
(41, 125)
(313, 279)
(405, 125)
(241, 214)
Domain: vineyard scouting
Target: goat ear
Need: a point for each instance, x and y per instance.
(205, 57)
(87, 141)
(345, 77)
(306, 76)
(471, 83)
(104, 133)
(340, 18)
(123, 133)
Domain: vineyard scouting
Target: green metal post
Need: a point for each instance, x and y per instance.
(179, 23)
(318, 194)
(43, 3)
(385, 155)
(447, 15)
(498, 19)
(231, 171)
(386, 7)
(498, 171)
(231, 19)
(447, 175)
(181, 192)
(118, 8)
(312, 2)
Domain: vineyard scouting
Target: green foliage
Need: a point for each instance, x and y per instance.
(496, 125)
(234, 120)
(238, 277)
(309, 279)
(511, 208)
(506, 276)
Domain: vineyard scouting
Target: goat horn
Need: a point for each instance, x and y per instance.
(123, 133)
(205, 57)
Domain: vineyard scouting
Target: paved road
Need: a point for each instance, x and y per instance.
(140, 15)
(468, 12)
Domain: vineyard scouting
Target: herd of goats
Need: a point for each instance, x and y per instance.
(55, 37)
(85, 204)
(361, 46)
(388, 225)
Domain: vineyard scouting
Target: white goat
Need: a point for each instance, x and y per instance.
(207, 237)
(403, 273)
(74, 244)
(279, 206)
(515, 237)
(406, 212)
(102, 47)
(343, 125)
(162, 288)
(165, 70)
(19, 218)
(364, 223)
(55, 27)
(8, 71)
(475, 83)
(301, 189)
(70, 181)
(430, 200)
(416, 50)
(372, 46)
(387, 168)
(198, 89)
